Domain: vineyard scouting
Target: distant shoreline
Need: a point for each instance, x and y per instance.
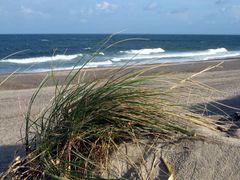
(135, 65)
(31, 80)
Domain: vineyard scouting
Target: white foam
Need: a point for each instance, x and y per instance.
(97, 64)
(222, 56)
(144, 51)
(87, 48)
(89, 65)
(199, 54)
(43, 59)
(44, 40)
(101, 53)
(218, 50)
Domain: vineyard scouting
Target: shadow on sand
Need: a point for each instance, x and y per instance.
(224, 107)
(7, 154)
(227, 110)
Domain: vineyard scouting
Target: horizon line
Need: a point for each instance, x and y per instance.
(119, 34)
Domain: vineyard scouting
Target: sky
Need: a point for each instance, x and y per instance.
(127, 16)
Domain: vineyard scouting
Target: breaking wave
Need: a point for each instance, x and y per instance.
(44, 40)
(89, 65)
(218, 50)
(43, 59)
(168, 55)
(142, 56)
(144, 51)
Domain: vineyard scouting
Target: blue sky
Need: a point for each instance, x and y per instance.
(109, 16)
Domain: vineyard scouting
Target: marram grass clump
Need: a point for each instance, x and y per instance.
(75, 135)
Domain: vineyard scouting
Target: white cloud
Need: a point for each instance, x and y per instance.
(26, 10)
(151, 6)
(219, 2)
(232, 13)
(82, 20)
(86, 11)
(30, 12)
(223, 10)
(179, 11)
(105, 6)
(180, 15)
(1, 10)
(235, 12)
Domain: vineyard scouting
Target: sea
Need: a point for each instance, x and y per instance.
(47, 52)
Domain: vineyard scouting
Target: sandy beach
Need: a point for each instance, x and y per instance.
(17, 90)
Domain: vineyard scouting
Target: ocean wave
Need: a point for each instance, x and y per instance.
(218, 50)
(100, 63)
(199, 54)
(43, 59)
(222, 56)
(89, 65)
(87, 48)
(44, 40)
(144, 51)
(147, 56)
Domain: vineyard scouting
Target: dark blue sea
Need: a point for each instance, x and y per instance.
(39, 53)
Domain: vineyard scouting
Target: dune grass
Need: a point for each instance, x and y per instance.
(87, 120)
(74, 137)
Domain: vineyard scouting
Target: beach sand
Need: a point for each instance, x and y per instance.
(17, 90)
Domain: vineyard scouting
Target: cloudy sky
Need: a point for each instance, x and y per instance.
(130, 16)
